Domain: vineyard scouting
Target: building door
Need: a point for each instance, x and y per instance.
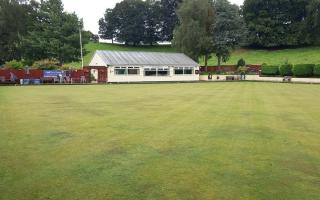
(103, 75)
(94, 75)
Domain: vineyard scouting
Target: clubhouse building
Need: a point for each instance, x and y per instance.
(128, 66)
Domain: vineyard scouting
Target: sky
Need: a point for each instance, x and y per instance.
(92, 10)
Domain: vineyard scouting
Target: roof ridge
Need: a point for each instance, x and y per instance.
(144, 58)
(142, 51)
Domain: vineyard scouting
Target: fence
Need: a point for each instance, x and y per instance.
(229, 68)
(37, 76)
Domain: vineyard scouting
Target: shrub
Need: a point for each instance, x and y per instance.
(316, 70)
(272, 70)
(303, 70)
(14, 64)
(243, 70)
(241, 63)
(46, 64)
(285, 70)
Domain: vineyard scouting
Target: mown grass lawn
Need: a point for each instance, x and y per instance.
(167, 141)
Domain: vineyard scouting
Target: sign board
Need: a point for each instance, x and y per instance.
(53, 73)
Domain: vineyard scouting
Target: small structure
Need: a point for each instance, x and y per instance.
(95, 74)
(126, 66)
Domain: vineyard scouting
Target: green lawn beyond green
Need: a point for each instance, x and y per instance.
(307, 55)
(92, 47)
(164, 141)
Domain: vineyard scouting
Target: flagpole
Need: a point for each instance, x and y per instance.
(81, 51)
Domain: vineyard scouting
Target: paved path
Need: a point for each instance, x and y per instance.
(258, 78)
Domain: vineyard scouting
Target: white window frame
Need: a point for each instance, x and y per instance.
(163, 69)
(156, 69)
(184, 71)
(151, 69)
(126, 71)
(122, 68)
(188, 68)
(135, 68)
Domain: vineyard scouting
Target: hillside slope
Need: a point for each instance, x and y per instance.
(92, 47)
(252, 56)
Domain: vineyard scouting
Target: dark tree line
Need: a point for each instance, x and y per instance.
(209, 27)
(259, 23)
(35, 30)
(136, 21)
(277, 23)
(268, 23)
(14, 20)
(32, 31)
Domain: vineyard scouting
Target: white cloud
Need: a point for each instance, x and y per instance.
(92, 10)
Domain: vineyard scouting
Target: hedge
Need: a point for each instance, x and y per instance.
(270, 70)
(316, 70)
(303, 70)
(285, 70)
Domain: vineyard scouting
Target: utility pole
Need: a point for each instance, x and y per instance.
(80, 34)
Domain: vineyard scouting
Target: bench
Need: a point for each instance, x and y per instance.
(230, 78)
(287, 79)
(3, 80)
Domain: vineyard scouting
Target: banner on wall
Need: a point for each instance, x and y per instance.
(53, 73)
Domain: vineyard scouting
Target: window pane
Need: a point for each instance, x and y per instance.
(150, 73)
(120, 71)
(133, 71)
(178, 71)
(188, 71)
(163, 73)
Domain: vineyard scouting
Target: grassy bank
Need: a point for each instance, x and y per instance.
(294, 56)
(92, 47)
(252, 56)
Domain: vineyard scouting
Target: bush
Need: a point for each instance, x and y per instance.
(285, 70)
(241, 63)
(316, 70)
(272, 70)
(14, 65)
(243, 70)
(303, 70)
(46, 64)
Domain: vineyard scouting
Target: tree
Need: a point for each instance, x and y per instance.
(229, 29)
(137, 21)
(168, 18)
(55, 34)
(241, 62)
(14, 20)
(130, 25)
(193, 36)
(93, 37)
(275, 23)
(152, 25)
(313, 22)
(107, 25)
